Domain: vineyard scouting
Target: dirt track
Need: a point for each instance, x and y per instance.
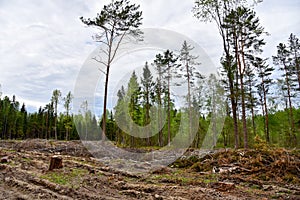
(25, 175)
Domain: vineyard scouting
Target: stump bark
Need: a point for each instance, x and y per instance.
(55, 163)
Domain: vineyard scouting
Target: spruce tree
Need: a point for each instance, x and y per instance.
(147, 94)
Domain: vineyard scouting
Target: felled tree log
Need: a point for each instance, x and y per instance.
(55, 163)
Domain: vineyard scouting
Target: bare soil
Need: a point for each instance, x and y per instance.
(222, 174)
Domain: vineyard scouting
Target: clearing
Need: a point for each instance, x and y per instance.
(223, 174)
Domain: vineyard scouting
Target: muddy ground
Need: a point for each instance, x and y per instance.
(224, 174)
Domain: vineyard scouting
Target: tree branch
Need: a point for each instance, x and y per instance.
(118, 45)
(99, 61)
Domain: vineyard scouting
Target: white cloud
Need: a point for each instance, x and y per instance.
(280, 19)
(44, 44)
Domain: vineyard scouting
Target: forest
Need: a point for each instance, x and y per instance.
(261, 95)
(174, 131)
(272, 111)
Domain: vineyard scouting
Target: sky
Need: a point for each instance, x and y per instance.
(43, 44)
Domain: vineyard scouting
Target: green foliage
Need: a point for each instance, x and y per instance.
(115, 21)
(17, 123)
(246, 79)
(117, 17)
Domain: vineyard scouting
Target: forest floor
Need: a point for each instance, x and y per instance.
(261, 173)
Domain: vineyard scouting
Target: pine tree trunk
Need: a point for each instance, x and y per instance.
(242, 72)
(67, 134)
(233, 99)
(244, 119)
(234, 115)
(55, 128)
(55, 122)
(105, 104)
(148, 116)
(189, 103)
(226, 47)
(160, 134)
(266, 114)
(291, 115)
(109, 60)
(169, 113)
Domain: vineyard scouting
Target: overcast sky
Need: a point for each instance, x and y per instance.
(43, 44)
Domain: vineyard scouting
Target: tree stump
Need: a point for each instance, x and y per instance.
(55, 163)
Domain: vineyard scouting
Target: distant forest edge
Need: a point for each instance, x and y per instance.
(261, 99)
(48, 123)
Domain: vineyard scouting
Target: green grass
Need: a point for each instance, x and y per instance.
(26, 159)
(65, 178)
(8, 150)
(163, 176)
(56, 177)
(12, 164)
(178, 177)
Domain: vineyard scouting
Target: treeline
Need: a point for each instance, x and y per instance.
(271, 105)
(261, 95)
(253, 96)
(139, 100)
(47, 123)
(247, 76)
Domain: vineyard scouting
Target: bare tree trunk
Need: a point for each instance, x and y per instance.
(55, 122)
(230, 76)
(267, 123)
(291, 115)
(234, 115)
(169, 112)
(109, 60)
(266, 113)
(55, 128)
(148, 116)
(47, 127)
(189, 103)
(67, 133)
(252, 109)
(105, 103)
(241, 74)
(244, 115)
(253, 120)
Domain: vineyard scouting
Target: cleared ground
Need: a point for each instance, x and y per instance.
(254, 174)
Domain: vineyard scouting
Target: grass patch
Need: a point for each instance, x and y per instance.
(211, 178)
(66, 177)
(12, 164)
(9, 150)
(163, 176)
(178, 177)
(25, 159)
